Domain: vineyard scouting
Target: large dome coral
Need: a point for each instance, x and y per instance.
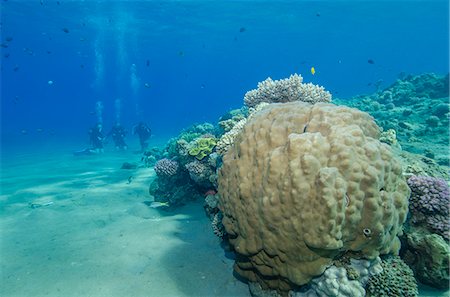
(303, 184)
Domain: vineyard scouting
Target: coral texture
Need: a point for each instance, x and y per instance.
(334, 283)
(396, 280)
(428, 255)
(303, 183)
(200, 173)
(430, 203)
(227, 139)
(202, 147)
(286, 90)
(166, 167)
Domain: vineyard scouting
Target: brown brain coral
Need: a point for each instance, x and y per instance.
(304, 183)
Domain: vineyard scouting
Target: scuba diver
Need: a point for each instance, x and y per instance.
(118, 135)
(144, 133)
(96, 138)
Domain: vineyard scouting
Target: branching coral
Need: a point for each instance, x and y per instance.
(286, 90)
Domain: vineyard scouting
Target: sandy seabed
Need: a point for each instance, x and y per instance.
(90, 234)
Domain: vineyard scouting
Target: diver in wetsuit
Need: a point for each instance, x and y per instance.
(144, 133)
(118, 133)
(96, 138)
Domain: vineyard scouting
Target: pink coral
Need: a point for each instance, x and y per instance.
(430, 203)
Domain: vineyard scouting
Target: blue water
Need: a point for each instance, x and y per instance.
(66, 65)
(194, 57)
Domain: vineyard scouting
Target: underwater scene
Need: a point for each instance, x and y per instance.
(224, 148)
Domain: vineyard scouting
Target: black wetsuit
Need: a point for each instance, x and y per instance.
(96, 138)
(118, 135)
(144, 133)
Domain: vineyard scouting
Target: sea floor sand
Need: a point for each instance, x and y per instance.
(90, 234)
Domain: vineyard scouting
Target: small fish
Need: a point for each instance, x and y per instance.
(24, 132)
(155, 204)
(81, 66)
(147, 63)
(82, 39)
(49, 52)
(9, 38)
(202, 86)
(370, 61)
(40, 130)
(147, 85)
(181, 53)
(65, 30)
(317, 14)
(6, 55)
(130, 179)
(313, 70)
(57, 2)
(16, 68)
(4, 45)
(50, 82)
(37, 204)
(242, 29)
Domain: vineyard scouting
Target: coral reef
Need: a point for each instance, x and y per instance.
(414, 164)
(188, 168)
(430, 204)
(417, 108)
(339, 280)
(166, 168)
(334, 283)
(286, 90)
(428, 255)
(390, 137)
(227, 139)
(201, 173)
(396, 280)
(302, 184)
(202, 147)
(227, 121)
(217, 226)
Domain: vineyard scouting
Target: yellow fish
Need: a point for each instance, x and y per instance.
(313, 70)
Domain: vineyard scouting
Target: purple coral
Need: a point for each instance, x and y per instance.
(429, 203)
(166, 167)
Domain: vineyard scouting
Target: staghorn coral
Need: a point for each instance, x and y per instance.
(165, 168)
(396, 280)
(286, 90)
(430, 203)
(303, 183)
